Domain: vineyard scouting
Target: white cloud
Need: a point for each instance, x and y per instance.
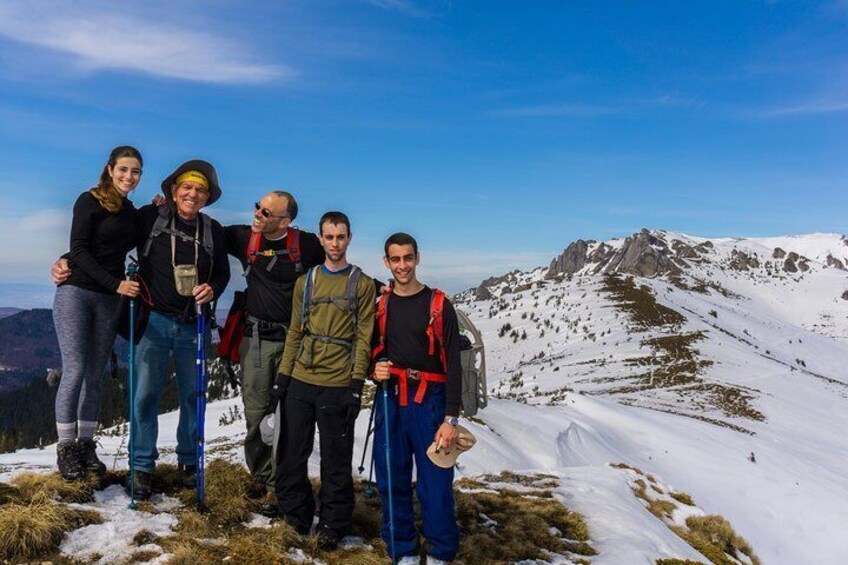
(405, 7)
(818, 107)
(29, 244)
(99, 36)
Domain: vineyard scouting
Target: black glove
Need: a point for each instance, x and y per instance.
(352, 402)
(278, 391)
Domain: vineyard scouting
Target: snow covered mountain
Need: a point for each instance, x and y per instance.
(632, 370)
(718, 364)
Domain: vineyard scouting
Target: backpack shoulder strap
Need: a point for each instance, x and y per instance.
(160, 225)
(308, 295)
(381, 318)
(436, 327)
(253, 245)
(208, 243)
(353, 306)
(293, 248)
(350, 293)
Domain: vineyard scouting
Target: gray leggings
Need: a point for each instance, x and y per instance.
(84, 326)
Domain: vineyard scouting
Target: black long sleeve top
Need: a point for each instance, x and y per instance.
(99, 242)
(407, 344)
(269, 293)
(156, 269)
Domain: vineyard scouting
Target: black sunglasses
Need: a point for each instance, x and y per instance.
(266, 213)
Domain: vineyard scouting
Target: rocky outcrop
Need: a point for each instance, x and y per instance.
(845, 295)
(789, 265)
(683, 251)
(482, 293)
(834, 262)
(778, 253)
(643, 254)
(569, 261)
(741, 261)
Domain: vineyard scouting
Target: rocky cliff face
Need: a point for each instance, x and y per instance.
(642, 254)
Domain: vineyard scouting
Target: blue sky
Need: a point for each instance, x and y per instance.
(495, 132)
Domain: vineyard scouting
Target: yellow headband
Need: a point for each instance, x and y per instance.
(194, 176)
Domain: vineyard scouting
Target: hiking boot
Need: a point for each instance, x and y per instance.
(188, 475)
(256, 490)
(297, 525)
(143, 485)
(69, 460)
(269, 507)
(88, 451)
(328, 540)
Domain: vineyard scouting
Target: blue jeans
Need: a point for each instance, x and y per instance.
(164, 337)
(412, 429)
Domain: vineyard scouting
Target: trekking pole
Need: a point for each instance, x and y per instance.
(200, 387)
(385, 385)
(132, 271)
(369, 491)
(367, 435)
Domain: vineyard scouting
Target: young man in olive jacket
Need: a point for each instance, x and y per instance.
(320, 382)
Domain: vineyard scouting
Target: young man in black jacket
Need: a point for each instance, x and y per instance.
(419, 354)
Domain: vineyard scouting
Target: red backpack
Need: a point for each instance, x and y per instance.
(435, 332)
(292, 250)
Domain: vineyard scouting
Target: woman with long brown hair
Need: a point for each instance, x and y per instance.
(102, 232)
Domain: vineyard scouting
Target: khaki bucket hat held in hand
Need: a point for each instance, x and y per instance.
(445, 458)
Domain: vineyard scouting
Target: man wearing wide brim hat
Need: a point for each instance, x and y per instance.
(183, 263)
(197, 169)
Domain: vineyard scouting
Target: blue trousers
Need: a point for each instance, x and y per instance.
(164, 337)
(411, 431)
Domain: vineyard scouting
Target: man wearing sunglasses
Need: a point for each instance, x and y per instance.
(272, 265)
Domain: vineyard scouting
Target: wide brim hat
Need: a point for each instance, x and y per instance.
(266, 428)
(446, 458)
(200, 166)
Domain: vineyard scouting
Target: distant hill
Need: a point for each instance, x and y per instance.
(28, 341)
(8, 311)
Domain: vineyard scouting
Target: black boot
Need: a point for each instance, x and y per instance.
(143, 485)
(188, 475)
(328, 540)
(69, 460)
(88, 451)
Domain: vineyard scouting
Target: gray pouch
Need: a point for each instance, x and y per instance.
(185, 279)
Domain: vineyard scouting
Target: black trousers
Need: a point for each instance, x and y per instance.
(304, 406)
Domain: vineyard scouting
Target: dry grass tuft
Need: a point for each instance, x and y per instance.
(226, 490)
(683, 498)
(675, 561)
(144, 537)
(715, 538)
(144, 556)
(507, 526)
(8, 493)
(35, 487)
(34, 529)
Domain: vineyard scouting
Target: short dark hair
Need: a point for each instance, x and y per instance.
(400, 238)
(291, 203)
(334, 218)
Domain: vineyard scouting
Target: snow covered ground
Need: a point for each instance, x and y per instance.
(747, 417)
